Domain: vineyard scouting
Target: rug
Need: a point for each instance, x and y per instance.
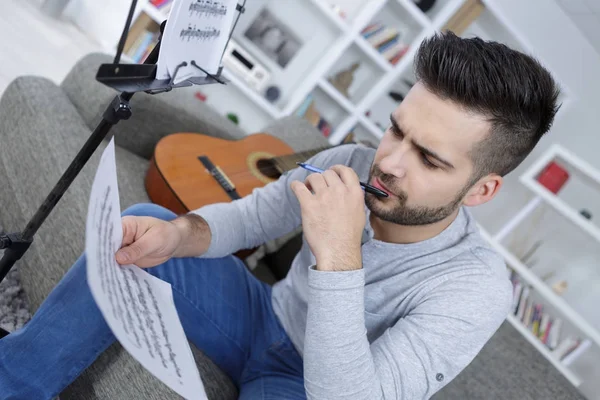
(14, 311)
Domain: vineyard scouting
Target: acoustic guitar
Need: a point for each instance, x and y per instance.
(190, 170)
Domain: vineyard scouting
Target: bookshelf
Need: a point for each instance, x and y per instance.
(551, 247)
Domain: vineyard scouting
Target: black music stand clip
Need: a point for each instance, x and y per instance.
(128, 79)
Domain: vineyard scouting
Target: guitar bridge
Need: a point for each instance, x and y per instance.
(221, 177)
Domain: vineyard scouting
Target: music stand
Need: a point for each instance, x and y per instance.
(128, 79)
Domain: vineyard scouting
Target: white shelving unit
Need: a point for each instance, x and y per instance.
(578, 319)
(343, 35)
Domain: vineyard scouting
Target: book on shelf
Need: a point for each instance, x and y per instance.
(308, 111)
(543, 325)
(163, 6)
(161, 3)
(143, 44)
(386, 40)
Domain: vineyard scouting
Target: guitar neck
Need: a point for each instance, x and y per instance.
(288, 162)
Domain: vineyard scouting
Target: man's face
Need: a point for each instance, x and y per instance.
(423, 159)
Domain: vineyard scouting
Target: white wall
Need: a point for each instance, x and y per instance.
(103, 20)
(586, 15)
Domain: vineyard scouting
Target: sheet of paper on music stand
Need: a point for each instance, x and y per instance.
(137, 306)
(195, 30)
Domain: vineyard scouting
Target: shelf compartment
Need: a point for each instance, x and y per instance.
(157, 15)
(142, 37)
(254, 96)
(390, 33)
(557, 303)
(582, 189)
(363, 77)
(322, 111)
(303, 44)
(551, 332)
(335, 95)
(337, 16)
(560, 254)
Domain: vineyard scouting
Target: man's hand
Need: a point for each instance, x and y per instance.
(333, 217)
(148, 241)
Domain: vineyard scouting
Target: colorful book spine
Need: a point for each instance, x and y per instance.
(537, 318)
(523, 303)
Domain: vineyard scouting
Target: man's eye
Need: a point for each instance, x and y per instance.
(428, 163)
(396, 132)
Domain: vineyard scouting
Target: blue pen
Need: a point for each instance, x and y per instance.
(368, 188)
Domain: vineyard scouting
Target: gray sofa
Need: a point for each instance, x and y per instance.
(42, 126)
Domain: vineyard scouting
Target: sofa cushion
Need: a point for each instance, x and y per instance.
(42, 132)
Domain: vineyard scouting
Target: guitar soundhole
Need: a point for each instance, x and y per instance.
(267, 168)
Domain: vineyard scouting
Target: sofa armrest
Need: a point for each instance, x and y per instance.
(154, 116)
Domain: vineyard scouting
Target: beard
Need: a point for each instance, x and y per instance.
(401, 214)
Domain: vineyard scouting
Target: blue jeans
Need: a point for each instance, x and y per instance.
(225, 311)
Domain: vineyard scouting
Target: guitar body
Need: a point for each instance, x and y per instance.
(178, 177)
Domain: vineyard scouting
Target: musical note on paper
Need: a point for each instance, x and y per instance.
(197, 30)
(209, 8)
(201, 34)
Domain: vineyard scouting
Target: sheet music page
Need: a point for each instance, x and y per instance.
(196, 30)
(137, 306)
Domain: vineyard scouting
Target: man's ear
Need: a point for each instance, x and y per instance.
(484, 190)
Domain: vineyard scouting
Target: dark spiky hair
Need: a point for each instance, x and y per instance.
(512, 90)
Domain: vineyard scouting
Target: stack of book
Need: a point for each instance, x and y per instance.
(142, 46)
(308, 111)
(386, 40)
(543, 325)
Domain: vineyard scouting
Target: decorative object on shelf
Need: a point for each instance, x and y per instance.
(273, 38)
(586, 214)
(560, 287)
(338, 11)
(343, 79)
(553, 177)
(244, 65)
(233, 118)
(466, 14)
(424, 5)
(272, 94)
(200, 96)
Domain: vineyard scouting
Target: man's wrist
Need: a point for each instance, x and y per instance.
(341, 261)
(194, 235)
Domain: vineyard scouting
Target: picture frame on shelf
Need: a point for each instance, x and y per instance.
(273, 38)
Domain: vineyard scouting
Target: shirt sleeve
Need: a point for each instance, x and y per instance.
(267, 213)
(414, 358)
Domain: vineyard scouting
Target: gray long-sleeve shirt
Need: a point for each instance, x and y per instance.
(401, 327)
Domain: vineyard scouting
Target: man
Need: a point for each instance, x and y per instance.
(388, 297)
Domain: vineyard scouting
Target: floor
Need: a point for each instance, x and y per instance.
(32, 43)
